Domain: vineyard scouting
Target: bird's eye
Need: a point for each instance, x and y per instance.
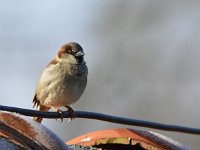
(71, 52)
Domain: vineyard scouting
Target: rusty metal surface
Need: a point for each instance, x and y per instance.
(129, 138)
(161, 140)
(21, 132)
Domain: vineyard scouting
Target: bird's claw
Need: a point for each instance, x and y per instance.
(72, 114)
(61, 114)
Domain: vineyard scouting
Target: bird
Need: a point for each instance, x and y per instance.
(62, 82)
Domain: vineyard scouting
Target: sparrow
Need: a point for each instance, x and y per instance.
(63, 81)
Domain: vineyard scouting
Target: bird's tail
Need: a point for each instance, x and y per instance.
(41, 108)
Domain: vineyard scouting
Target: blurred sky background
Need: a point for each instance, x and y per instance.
(143, 58)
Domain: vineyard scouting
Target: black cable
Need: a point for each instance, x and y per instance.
(103, 117)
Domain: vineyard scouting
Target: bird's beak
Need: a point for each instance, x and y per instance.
(79, 54)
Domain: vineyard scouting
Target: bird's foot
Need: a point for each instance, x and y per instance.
(61, 114)
(72, 114)
(58, 111)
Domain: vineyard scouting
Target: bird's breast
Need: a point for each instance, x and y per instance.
(63, 84)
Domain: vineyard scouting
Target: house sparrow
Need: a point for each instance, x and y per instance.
(63, 80)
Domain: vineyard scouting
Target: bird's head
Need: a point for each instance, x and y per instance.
(71, 53)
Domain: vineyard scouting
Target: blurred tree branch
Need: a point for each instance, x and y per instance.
(103, 117)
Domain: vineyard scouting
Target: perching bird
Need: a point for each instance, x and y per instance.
(63, 80)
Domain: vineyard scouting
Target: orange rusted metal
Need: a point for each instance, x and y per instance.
(21, 132)
(127, 139)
